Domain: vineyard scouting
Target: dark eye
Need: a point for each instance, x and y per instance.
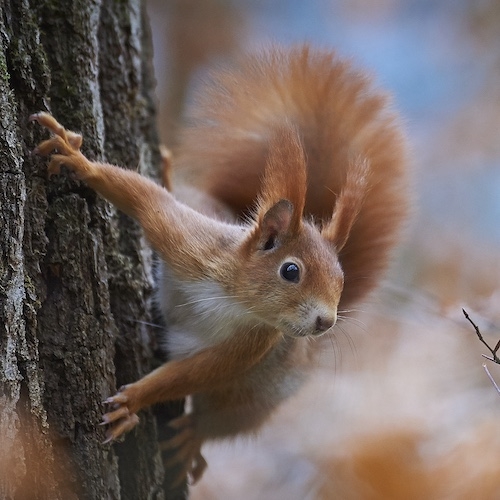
(290, 272)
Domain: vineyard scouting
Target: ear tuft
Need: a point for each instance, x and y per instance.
(348, 204)
(275, 224)
(285, 176)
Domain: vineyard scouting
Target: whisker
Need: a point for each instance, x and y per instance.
(355, 321)
(337, 355)
(206, 299)
(351, 343)
(347, 311)
(147, 323)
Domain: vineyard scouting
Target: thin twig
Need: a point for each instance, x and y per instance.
(493, 351)
(491, 378)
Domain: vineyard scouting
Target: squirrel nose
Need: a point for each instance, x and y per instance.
(323, 323)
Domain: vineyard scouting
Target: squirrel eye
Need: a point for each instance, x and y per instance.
(290, 272)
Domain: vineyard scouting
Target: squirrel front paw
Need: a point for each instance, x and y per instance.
(122, 418)
(64, 146)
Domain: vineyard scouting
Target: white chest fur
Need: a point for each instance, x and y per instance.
(198, 314)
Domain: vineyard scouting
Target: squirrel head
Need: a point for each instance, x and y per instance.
(291, 274)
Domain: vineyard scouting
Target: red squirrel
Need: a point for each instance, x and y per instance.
(289, 190)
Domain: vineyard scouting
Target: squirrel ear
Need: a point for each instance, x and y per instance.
(285, 179)
(275, 224)
(348, 205)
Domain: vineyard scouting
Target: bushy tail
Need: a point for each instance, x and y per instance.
(341, 120)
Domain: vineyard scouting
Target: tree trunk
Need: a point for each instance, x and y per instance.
(76, 276)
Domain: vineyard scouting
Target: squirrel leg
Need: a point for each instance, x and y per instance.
(179, 378)
(132, 193)
(167, 224)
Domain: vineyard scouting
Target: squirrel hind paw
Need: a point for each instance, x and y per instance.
(190, 469)
(183, 452)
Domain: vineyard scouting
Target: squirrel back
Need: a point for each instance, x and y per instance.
(351, 139)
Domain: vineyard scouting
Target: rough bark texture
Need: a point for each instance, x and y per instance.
(75, 275)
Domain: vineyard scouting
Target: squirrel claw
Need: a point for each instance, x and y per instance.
(64, 143)
(124, 425)
(122, 417)
(118, 399)
(35, 116)
(115, 415)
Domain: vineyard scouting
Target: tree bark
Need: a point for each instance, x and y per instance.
(75, 275)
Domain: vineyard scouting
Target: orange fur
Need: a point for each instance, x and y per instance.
(300, 140)
(393, 465)
(339, 117)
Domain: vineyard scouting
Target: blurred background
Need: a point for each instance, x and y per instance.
(400, 405)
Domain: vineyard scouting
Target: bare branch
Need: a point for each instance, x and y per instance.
(493, 351)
